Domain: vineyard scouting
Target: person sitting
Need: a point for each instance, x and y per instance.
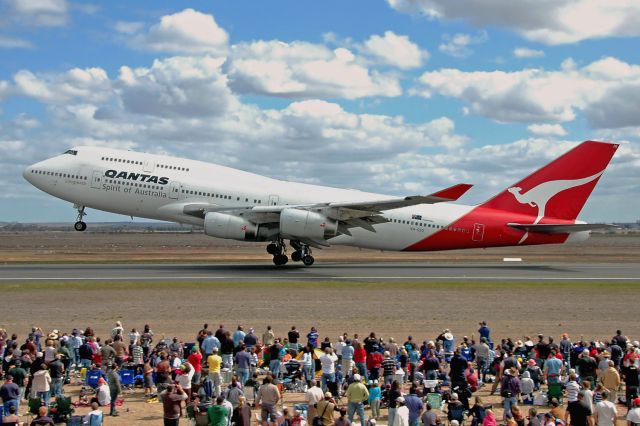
(12, 417)
(103, 394)
(94, 417)
(42, 419)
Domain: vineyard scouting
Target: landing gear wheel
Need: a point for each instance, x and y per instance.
(280, 259)
(308, 260)
(296, 256)
(80, 225)
(273, 249)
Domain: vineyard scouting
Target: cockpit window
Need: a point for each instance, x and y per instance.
(72, 152)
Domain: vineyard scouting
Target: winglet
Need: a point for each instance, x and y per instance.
(454, 192)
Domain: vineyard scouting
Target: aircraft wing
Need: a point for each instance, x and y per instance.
(560, 228)
(363, 214)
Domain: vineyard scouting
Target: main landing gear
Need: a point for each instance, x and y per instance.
(80, 225)
(301, 253)
(279, 252)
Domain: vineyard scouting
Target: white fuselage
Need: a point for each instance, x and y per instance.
(158, 187)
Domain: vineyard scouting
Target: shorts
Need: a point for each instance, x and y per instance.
(269, 412)
(148, 381)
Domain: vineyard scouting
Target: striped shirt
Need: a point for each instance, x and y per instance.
(388, 365)
(137, 354)
(572, 389)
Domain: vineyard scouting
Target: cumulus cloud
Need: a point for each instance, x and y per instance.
(458, 44)
(396, 50)
(89, 84)
(547, 21)
(304, 70)
(538, 95)
(547, 130)
(524, 52)
(177, 86)
(41, 13)
(185, 32)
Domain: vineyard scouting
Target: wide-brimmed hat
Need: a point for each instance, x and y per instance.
(519, 344)
(448, 336)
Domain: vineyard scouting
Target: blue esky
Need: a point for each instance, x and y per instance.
(396, 96)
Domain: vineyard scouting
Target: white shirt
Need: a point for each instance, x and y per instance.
(328, 363)
(572, 389)
(634, 415)
(104, 398)
(606, 411)
(402, 416)
(184, 379)
(313, 395)
(339, 347)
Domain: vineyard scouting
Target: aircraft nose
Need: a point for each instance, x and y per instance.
(27, 172)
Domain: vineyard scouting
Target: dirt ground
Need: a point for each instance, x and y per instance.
(592, 310)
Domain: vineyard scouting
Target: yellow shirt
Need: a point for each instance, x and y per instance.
(215, 362)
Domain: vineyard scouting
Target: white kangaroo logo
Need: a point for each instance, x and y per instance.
(540, 195)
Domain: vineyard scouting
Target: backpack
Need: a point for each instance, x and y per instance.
(207, 387)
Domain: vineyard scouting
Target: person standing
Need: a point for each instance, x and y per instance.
(215, 365)
(402, 413)
(218, 414)
(611, 381)
(415, 406)
(312, 397)
(56, 370)
(20, 377)
(267, 400)
(509, 390)
(578, 413)
(605, 412)
(42, 384)
(10, 394)
(357, 394)
(268, 338)
(347, 359)
(328, 361)
(172, 398)
(115, 387)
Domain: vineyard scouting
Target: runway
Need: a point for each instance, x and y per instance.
(405, 271)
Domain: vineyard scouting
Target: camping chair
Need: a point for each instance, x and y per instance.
(96, 420)
(435, 399)
(93, 376)
(62, 409)
(456, 412)
(554, 391)
(127, 379)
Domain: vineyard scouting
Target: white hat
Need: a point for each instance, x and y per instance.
(448, 335)
(400, 399)
(357, 378)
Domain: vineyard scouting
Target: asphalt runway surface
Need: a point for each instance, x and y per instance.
(406, 271)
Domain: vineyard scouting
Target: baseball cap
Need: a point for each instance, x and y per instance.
(400, 399)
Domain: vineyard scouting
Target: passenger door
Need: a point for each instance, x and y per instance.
(96, 179)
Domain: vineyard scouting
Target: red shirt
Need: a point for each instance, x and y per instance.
(359, 355)
(374, 360)
(195, 359)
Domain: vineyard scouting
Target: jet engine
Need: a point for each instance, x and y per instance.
(298, 223)
(222, 225)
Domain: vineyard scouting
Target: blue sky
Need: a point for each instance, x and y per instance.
(396, 96)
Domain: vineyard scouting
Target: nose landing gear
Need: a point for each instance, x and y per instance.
(80, 225)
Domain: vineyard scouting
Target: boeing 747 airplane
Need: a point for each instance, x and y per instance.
(540, 209)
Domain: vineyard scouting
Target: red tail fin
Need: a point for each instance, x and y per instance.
(559, 189)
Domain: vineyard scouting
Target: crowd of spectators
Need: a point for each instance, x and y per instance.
(222, 374)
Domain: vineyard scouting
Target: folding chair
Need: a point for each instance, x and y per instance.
(127, 379)
(93, 376)
(555, 391)
(456, 412)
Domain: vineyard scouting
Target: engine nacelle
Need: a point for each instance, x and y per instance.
(298, 223)
(222, 225)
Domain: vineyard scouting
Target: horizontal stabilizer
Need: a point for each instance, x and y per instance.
(560, 228)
